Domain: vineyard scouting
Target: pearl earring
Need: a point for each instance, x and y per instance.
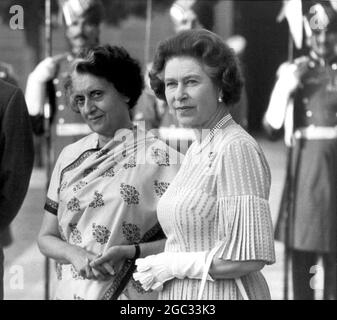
(220, 99)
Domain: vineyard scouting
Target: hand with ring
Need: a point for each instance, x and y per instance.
(81, 259)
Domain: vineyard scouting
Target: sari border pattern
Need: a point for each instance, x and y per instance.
(123, 277)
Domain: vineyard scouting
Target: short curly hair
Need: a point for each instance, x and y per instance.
(220, 61)
(115, 65)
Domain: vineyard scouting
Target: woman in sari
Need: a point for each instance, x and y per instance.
(215, 213)
(105, 187)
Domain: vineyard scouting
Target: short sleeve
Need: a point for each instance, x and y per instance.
(245, 225)
(52, 199)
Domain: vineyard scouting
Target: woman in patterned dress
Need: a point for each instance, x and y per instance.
(104, 189)
(215, 213)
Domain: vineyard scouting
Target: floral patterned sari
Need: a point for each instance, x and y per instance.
(106, 197)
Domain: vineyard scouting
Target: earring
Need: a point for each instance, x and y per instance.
(220, 99)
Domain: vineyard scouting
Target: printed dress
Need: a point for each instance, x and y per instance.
(220, 195)
(106, 197)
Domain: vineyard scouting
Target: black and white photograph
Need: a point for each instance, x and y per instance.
(168, 150)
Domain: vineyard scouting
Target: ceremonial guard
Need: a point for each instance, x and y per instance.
(304, 100)
(82, 19)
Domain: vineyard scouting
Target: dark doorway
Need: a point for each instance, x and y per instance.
(267, 48)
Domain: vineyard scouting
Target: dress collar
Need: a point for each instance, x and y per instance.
(207, 135)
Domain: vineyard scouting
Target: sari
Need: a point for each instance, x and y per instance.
(105, 197)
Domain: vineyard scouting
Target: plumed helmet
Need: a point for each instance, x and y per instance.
(73, 9)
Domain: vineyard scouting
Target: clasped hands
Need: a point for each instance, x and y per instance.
(96, 267)
(153, 271)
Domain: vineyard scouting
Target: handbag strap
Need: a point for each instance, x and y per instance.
(206, 269)
(242, 289)
(209, 260)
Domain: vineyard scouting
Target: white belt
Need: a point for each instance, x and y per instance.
(173, 133)
(72, 129)
(316, 133)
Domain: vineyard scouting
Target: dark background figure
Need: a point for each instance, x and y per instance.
(16, 159)
(82, 19)
(7, 74)
(304, 99)
(266, 49)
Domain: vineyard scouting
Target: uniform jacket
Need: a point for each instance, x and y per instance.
(16, 152)
(311, 103)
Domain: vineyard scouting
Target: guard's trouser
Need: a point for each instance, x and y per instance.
(302, 261)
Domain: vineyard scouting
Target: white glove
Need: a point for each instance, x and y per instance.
(289, 75)
(154, 270)
(36, 83)
(35, 95)
(45, 70)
